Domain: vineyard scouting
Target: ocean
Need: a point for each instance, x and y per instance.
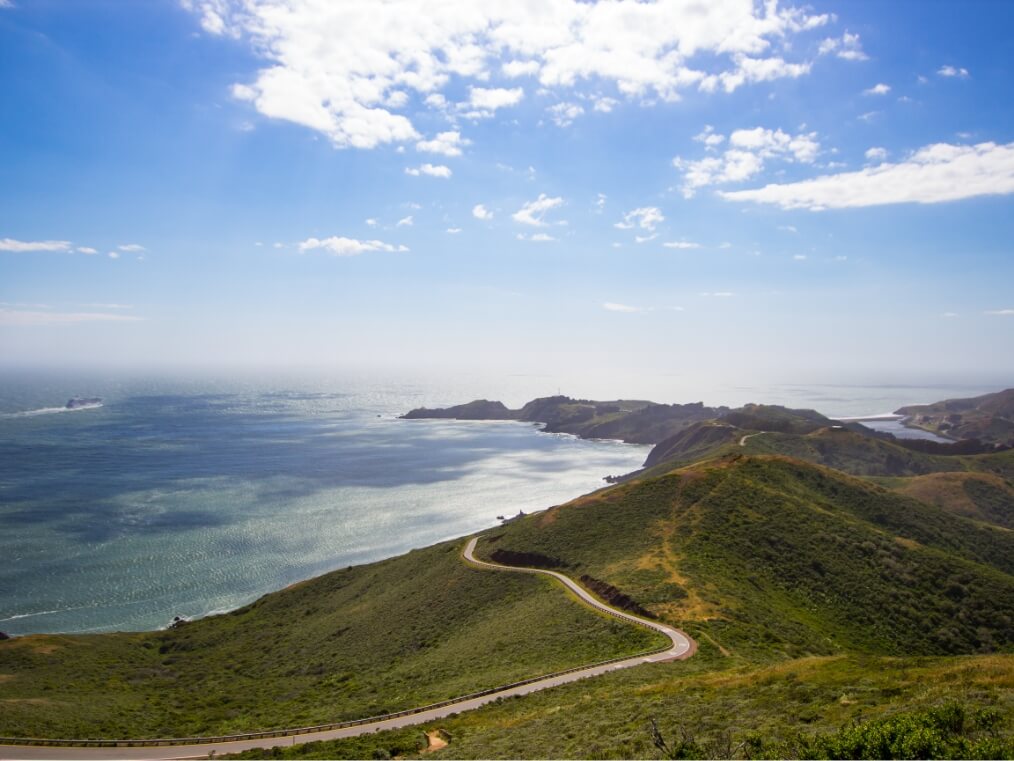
(192, 496)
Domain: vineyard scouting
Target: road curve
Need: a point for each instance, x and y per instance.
(682, 647)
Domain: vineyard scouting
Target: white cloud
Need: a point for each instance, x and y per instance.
(934, 174)
(749, 70)
(645, 238)
(86, 250)
(951, 71)
(605, 105)
(534, 212)
(371, 222)
(20, 317)
(439, 170)
(1001, 312)
(878, 89)
(346, 69)
(769, 143)
(131, 248)
(788, 228)
(869, 116)
(725, 244)
(681, 244)
(347, 246)
(718, 294)
(483, 102)
(709, 137)
(396, 99)
(536, 237)
(847, 46)
(405, 221)
(644, 218)
(114, 254)
(7, 3)
(481, 212)
(600, 203)
(453, 230)
(514, 69)
(745, 157)
(564, 114)
(614, 307)
(876, 154)
(447, 143)
(9, 244)
(799, 257)
(949, 314)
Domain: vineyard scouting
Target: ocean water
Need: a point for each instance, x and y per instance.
(194, 496)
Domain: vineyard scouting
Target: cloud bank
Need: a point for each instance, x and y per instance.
(347, 69)
(934, 174)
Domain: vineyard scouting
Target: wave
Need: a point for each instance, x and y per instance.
(30, 615)
(51, 410)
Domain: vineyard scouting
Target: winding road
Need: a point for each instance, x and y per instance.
(681, 647)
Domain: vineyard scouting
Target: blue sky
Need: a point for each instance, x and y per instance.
(724, 188)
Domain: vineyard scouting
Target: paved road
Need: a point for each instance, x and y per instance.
(682, 647)
(742, 441)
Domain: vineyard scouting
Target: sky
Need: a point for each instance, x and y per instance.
(729, 188)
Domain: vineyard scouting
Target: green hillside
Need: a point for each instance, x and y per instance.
(382, 637)
(793, 709)
(862, 455)
(771, 558)
(981, 496)
(850, 451)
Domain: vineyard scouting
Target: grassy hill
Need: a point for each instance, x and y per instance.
(981, 496)
(719, 710)
(404, 632)
(844, 449)
(768, 557)
(857, 454)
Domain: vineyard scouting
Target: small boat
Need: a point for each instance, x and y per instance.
(79, 402)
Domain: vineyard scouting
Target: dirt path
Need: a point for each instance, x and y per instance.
(742, 441)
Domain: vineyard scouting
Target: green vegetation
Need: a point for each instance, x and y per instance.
(854, 453)
(772, 558)
(808, 708)
(982, 496)
(397, 634)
